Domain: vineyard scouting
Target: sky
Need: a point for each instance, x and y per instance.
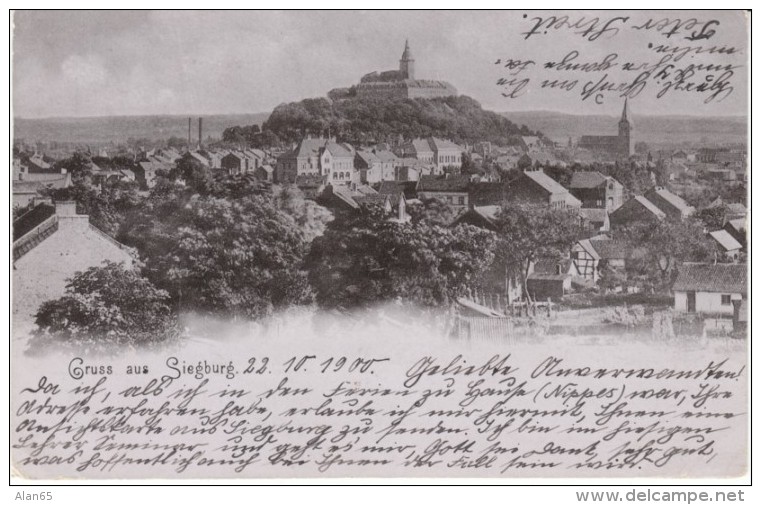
(100, 63)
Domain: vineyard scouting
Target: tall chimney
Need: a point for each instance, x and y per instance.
(190, 127)
(200, 132)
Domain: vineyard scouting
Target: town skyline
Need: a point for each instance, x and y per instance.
(171, 63)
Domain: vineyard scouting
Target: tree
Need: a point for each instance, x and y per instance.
(310, 217)
(193, 174)
(77, 164)
(634, 176)
(659, 248)
(610, 276)
(107, 207)
(527, 232)
(468, 165)
(240, 258)
(177, 142)
(524, 162)
(365, 259)
(107, 305)
(713, 218)
(266, 139)
(365, 120)
(561, 174)
(433, 212)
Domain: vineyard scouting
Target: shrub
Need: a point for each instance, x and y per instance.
(104, 306)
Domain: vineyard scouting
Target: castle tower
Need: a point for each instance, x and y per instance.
(626, 132)
(407, 63)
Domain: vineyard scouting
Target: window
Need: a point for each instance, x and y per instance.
(335, 175)
(462, 200)
(726, 299)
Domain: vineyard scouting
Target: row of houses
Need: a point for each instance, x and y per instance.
(342, 164)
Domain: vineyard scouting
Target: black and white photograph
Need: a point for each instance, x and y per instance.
(431, 244)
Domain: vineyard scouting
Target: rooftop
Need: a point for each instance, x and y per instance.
(725, 240)
(715, 278)
(31, 219)
(594, 215)
(609, 249)
(672, 199)
(585, 180)
(457, 183)
(648, 205)
(545, 181)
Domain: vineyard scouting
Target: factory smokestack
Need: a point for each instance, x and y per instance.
(190, 128)
(200, 132)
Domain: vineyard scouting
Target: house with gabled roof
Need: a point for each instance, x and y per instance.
(318, 156)
(551, 279)
(710, 288)
(303, 159)
(50, 244)
(347, 199)
(593, 254)
(727, 244)
(199, 157)
(238, 163)
(33, 185)
(597, 191)
(150, 168)
(37, 164)
(337, 163)
(437, 152)
(636, 210)
(410, 169)
(595, 221)
(375, 165)
(265, 173)
(736, 228)
(450, 189)
(534, 186)
(482, 216)
(406, 188)
(670, 204)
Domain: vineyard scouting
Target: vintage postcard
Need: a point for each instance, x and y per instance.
(404, 244)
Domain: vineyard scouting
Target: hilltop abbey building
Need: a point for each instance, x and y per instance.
(402, 82)
(619, 146)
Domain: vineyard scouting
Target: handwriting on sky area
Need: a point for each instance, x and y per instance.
(501, 415)
(662, 58)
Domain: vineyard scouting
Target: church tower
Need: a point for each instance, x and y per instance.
(626, 132)
(407, 63)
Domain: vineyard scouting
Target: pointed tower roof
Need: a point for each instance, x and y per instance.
(625, 112)
(407, 54)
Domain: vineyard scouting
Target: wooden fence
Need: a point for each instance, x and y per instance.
(484, 329)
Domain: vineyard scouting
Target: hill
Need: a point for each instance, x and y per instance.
(655, 130)
(366, 120)
(118, 129)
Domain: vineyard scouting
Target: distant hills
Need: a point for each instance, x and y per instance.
(655, 130)
(103, 130)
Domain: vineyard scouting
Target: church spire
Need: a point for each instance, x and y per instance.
(625, 112)
(407, 54)
(407, 63)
